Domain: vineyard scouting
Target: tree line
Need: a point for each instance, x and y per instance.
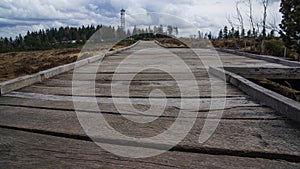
(168, 30)
(261, 34)
(48, 39)
(74, 36)
(226, 33)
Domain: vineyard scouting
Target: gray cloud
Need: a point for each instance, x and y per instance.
(19, 16)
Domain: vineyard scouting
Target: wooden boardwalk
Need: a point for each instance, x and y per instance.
(40, 129)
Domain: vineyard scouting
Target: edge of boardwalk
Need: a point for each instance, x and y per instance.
(267, 58)
(281, 104)
(20, 82)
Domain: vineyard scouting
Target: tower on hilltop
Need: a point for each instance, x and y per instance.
(123, 19)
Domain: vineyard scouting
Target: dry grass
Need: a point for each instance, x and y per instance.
(284, 90)
(16, 64)
(116, 47)
(122, 44)
(171, 43)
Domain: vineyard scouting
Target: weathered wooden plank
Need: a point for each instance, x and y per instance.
(127, 77)
(227, 59)
(136, 91)
(268, 136)
(69, 83)
(132, 69)
(28, 150)
(107, 104)
(186, 56)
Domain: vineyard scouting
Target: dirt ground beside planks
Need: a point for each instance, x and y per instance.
(17, 64)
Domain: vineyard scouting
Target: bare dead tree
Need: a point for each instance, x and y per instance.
(248, 3)
(257, 28)
(273, 24)
(265, 4)
(238, 21)
(229, 20)
(239, 15)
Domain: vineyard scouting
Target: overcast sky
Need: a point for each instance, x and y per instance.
(19, 16)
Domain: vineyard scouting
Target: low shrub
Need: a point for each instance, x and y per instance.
(274, 48)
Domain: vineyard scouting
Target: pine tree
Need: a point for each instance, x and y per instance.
(160, 29)
(200, 35)
(290, 24)
(128, 33)
(155, 30)
(254, 33)
(237, 34)
(225, 32)
(206, 35)
(272, 34)
(170, 30)
(220, 34)
(176, 30)
(243, 33)
(135, 31)
(231, 33)
(150, 30)
(120, 33)
(249, 34)
(209, 36)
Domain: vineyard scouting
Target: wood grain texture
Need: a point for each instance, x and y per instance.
(39, 125)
